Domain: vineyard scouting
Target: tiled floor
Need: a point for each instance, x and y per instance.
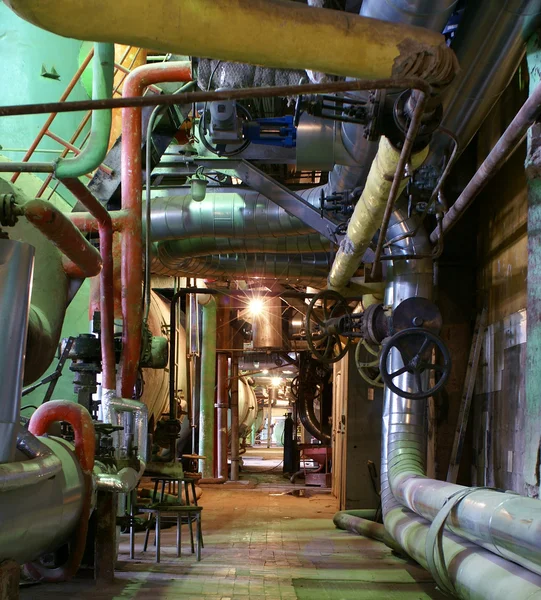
(259, 545)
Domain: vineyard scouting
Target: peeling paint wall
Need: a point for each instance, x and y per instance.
(500, 444)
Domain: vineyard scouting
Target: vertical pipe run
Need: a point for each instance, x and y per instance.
(208, 383)
(272, 397)
(222, 405)
(132, 190)
(107, 311)
(235, 449)
(223, 342)
(16, 270)
(172, 363)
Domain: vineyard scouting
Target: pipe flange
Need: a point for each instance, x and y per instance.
(402, 117)
(8, 210)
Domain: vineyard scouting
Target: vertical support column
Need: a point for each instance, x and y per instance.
(105, 541)
(9, 580)
(533, 350)
(272, 398)
(235, 442)
(16, 270)
(223, 342)
(208, 384)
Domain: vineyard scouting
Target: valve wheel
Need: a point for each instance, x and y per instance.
(368, 365)
(326, 345)
(294, 386)
(416, 347)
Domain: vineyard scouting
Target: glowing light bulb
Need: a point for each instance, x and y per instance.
(276, 381)
(255, 306)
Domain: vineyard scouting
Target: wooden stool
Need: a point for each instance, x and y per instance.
(190, 512)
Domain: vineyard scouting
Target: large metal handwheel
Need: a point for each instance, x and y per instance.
(326, 345)
(294, 385)
(415, 346)
(367, 361)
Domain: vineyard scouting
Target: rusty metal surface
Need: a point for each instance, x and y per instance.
(105, 227)
(55, 225)
(511, 139)
(132, 248)
(133, 101)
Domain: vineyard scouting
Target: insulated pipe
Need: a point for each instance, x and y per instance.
(203, 246)
(113, 408)
(16, 270)
(484, 517)
(365, 526)
(57, 227)
(42, 464)
(431, 14)
(473, 573)
(95, 150)
(54, 504)
(369, 211)
(208, 384)
(510, 140)
(490, 44)
(132, 189)
(333, 42)
(227, 214)
(122, 482)
(306, 268)
(107, 311)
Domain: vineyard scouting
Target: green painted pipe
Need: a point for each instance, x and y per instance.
(208, 385)
(362, 522)
(95, 150)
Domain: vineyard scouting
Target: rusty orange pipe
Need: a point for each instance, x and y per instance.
(132, 189)
(85, 447)
(56, 227)
(105, 228)
(86, 223)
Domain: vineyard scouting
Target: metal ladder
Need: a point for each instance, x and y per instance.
(467, 394)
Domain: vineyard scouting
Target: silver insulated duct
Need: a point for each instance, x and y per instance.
(16, 269)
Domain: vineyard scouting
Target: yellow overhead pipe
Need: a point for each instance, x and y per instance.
(272, 33)
(368, 213)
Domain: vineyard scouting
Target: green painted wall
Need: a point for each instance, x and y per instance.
(76, 322)
(24, 51)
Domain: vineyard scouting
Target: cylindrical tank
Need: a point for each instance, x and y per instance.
(41, 517)
(16, 266)
(267, 325)
(156, 389)
(247, 407)
(49, 291)
(278, 431)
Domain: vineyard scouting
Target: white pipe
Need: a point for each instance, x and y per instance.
(43, 464)
(112, 408)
